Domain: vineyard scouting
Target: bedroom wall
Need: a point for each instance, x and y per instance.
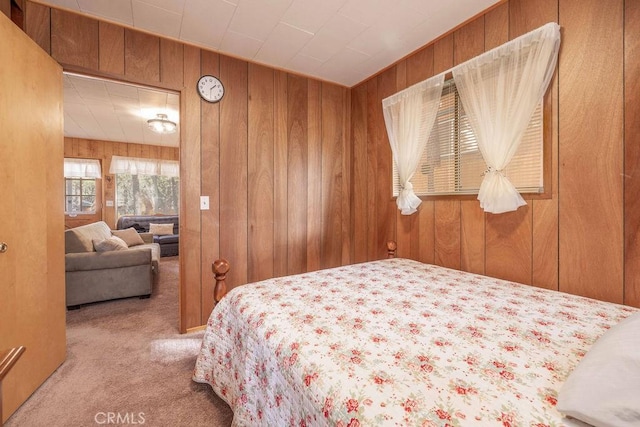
(273, 156)
(103, 150)
(584, 238)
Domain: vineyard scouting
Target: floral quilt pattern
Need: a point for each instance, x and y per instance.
(396, 343)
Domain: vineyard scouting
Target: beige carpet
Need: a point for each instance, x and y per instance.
(126, 365)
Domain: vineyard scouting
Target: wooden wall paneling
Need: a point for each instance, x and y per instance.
(496, 26)
(74, 39)
(190, 181)
(332, 175)
(297, 160)
(109, 185)
(37, 24)
(508, 249)
(171, 69)
(468, 42)
(261, 174)
(374, 115)
(348, 216)
(405, 224)
(360, 182)
(233, 168)
(5, 8)
(524, 17)
(209, 174)
(386, 221)
(281, 180)
(632, 153)
(591, 126)
(446, 212)
(111, 48)
(419, 68)
(142, 56)
(315, 122)
(134, 150)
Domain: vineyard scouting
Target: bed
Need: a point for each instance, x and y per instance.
(398, 343)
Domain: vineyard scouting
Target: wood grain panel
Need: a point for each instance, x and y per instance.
(419, 68)
(348, 216)
(524, 17)
(332, 191)
(591, 222)
(190, 161)
(468, 42)
(210, 176)
(632, 153)
(405, 224)
(281, 180)
(359, 143)
(297, 160)
(171, 69)
(314, 175)
(386, 227)
(142, 56)
(38, 25)
(508, 248)
(111, 48)
(261, 174)
(233, 169)
(496, 26)
(74, 39)
(374, 115)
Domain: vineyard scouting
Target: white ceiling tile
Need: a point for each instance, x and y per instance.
(283, 44)
(115, 10)
(298, 13)
(205, 21)
(373, 40)
(156, 19)
(175, 6)
(240, 45)
(255, 21)
(332, 38)
(367, 12)
(304, 64)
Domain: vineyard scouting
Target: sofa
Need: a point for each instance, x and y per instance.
(100, 266)
(169, 242)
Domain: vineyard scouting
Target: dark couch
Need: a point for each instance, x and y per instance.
(168, 243)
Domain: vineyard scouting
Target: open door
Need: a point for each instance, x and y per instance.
(32, 291)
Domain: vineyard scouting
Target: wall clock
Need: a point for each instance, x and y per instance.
(210, 88)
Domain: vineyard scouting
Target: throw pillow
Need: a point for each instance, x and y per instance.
(604, 389)
(113, 243)
(160, 229)
(129, 235)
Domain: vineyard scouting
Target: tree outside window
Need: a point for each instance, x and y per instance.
(147, 194)
(80, 195)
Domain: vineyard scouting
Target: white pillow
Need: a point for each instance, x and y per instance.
(160, 229)
(129, 235)
(604, 389)
(113, 243)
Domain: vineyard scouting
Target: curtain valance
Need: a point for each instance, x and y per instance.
(82, 168)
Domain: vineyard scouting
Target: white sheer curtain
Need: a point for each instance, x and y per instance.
(499, 91)
(409, 116)
(137, 166)
(82, 168)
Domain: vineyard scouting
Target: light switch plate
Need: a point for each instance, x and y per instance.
(204, 203)
(109, 203)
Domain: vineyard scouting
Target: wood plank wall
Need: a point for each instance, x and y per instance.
(584, 238)
(103, 151)
(273, 156)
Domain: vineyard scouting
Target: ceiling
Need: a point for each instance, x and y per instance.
(341, 41)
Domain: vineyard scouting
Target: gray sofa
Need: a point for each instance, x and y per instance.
(100, 276)
(169, 243)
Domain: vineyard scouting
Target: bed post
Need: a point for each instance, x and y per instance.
(220, 269)
(391, 249)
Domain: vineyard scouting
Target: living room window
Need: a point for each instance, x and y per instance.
(146, 186)
(452, 164)
(80, 185)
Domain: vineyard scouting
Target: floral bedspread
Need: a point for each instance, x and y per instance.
(396, 343)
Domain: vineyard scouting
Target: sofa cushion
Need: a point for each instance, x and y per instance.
(129, 235)
(166, 239)
(160, 229)
(80, 239)
(113, 243)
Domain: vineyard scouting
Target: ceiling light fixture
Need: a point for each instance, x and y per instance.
(161, 124)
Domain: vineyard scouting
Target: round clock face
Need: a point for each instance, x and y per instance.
(210, 88)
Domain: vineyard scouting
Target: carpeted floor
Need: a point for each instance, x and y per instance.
(127, 364)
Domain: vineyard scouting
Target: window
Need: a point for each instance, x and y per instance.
(147, 194)
(80, 195)
(452, 164)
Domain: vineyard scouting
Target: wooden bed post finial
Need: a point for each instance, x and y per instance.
(391, 249)
(220, 269)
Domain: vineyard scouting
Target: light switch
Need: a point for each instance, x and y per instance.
(109, 203)
(204, 203)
